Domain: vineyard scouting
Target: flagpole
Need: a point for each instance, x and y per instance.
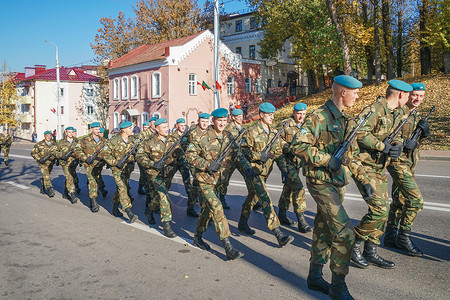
(216, 53)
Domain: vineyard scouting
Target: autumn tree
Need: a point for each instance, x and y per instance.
(9, 98)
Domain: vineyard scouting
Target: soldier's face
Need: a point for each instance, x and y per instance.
(152, 125)
(69, 133)
(219, 124)
(95, 131)
(349, 96)
(266, 118)
(299, 116)
(74, 134)
(203, 123)
(5, 132)
(145, 127)
(181, 127)
(416, 98)
(238, 119)
(101, 134)
(128, 131)
(48, 137)
(163, 129)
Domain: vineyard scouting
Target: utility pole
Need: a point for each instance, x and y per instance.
(58, 103)
(216, 53)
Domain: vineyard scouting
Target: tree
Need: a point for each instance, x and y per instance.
(9, 98)
(387, 37)
(425, 49)
(376, 41)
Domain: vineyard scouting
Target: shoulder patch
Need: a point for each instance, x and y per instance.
(191, 146)
(303, 132)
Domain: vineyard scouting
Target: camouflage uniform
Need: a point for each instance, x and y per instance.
(407, 199)
(69, 166)
(194, 135)
(84, 149)
(115, 150)
(322, 132)
(142, 176)
(8, 140)
(200, 153)
(41, 150)
(370, 140)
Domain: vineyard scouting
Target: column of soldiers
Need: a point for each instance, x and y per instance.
(211, 153)
(6, 141)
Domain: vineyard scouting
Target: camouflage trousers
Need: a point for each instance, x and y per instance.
(5, 152)
(94, 177)
(186, 181)
(160, 197)
(222, 186)
(142, 176)
(333, 234)
(122, 177)
(46, 170)
(212, 208)
(373, 224)
(70, 172)
(258, 191)
(407, 199)
(293, 191)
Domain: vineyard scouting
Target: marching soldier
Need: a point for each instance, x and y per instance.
(149, 156)
(115, 150)
(67, 160)
(87, 150)
(326, 176)
(407, 199)
(293, 190)
(77, 161)
(255, 139)
(375, 154)
(201, 154)
(44, 153)
(145, 133)
(6, 141)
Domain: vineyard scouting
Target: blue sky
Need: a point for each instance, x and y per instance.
(72, 25)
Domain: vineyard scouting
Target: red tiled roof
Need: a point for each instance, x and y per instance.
(79, 75)
(147, 53)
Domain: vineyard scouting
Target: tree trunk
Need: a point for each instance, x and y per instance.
(312, 82)
(342, 38)
(368, 49)
(387, 37)
(447, 62)
(399, 43)
(377, 43)
(425, 50)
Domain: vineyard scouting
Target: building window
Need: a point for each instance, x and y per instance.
(239, 50)
(62, 110)
(248, 85)
(90, 110)
(116, 120)
(124, 87)
(251, 51)
(230, 86)
(144, 118)
(116, 88)
(25, 108)
(156, 85)
(258, 86)
(253, 24)
(61, 92)
(192, 84)
(134, 87)
(89, 92)
(157, 115)
(239, 26)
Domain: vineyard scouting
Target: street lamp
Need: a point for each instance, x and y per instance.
(58, 104)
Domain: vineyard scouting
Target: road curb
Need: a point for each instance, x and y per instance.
(444, 158)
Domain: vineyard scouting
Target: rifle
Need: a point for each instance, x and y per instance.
(121, 162)
(44, 159)
(269, 146)
(219, 159)
(65, 156)
(93, 157)
(20, 138)
(390, 138)
(418, 131)
(172, 148)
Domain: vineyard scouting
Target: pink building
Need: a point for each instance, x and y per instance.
(164, 80)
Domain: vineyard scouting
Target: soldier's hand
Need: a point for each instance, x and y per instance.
(42, 161)
(369, 192)
(334, 164)
(213, 167)
(250, 173)
(387, 147)
(57, 162)
(159, 165)
(423, 124)
(284, 177)
(265, 157)
(396, 151)
(409, 145)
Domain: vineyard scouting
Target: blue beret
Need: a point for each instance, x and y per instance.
(47, 132)
(400, 85)
(348, 81)
(160, 121)
(125, 124)
(267, 108)
(95, 124)
(300, 106)
(237, 112)
(153, 119)
(102, 129)
(220, 113)
(417, 86)
(74, 130)
(181, 120)
(4, 128)
(146, 124)
(69, 128)
(204, 116)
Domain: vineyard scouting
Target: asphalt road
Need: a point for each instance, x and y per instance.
(51, 249)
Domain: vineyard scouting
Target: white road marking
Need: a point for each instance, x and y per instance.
(432, 176)
(23, 187)
(21, 156)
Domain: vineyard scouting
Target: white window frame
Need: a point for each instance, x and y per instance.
(257, 85)
(89, 91)
(144, 118)
(248, 85)
(134, 87)
(156, 114)
(192, 84)
(90, 111)
(116, 120)
(124, 87)
(230, 85)
(156, 86)
(116, 89)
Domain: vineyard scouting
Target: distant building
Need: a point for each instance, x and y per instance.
(79, 91)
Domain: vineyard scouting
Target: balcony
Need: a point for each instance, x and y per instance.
(26, 118)
(27, 99)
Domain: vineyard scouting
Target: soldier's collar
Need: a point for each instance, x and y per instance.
(333, 109)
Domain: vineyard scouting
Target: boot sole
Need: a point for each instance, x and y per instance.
(288, 241)
(246, 232)
(237, 256)
(203, 247)
(133, 219)
(318, 289)
(383, 267)
(359, 265)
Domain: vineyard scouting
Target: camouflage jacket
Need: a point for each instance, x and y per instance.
(195, 133)
(184, 143)
(63, 147)
(7, 139)
(203, 151)
(233, 128)
(116, 148)
(253, 143)
(87, 146)
(153, 150)
(377, 127)
(41, 150)
(288, 135)
(145, 134)
(322, 132)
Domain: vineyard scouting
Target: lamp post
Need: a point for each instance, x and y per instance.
(58, 104)
(216, 53)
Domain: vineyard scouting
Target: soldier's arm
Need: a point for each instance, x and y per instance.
(142, 158)
(247, 148)
(107, 154)
(355, 166)
(193, 157)
(79, 151)
(35, 152)
(365, 137)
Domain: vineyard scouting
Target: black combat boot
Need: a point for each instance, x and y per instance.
(77, 189)
(94, 205)
(190, 212)
(230, 251)
(390, 236)
(370, 254)
(115, 210)
(42, 187)
(282, 239)
(73, 197)
(50, 192)
(65, 194)
(141, 190)
(150, 217)
(167, 230)
(404, 242)
(224, 202)
(338, 289)
(199, 242)
(284, 220)
(257, 206)
(6, 162)
(357, 257)
(303, 226)
(243, 226)
(131, 215)
(104, 192)
(315, 280)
